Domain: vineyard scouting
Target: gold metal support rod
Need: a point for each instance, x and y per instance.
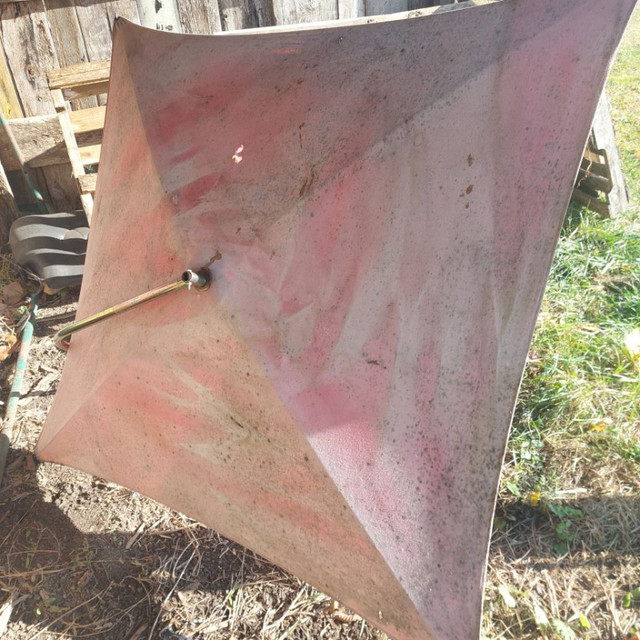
(198, 279)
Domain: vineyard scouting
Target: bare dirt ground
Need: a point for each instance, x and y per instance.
(83, 558)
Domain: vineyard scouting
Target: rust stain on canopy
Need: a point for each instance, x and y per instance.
(386, 195)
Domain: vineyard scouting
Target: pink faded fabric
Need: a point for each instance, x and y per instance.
(386, 197)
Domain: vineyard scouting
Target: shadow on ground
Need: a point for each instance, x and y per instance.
(166, 575)
(72, 570)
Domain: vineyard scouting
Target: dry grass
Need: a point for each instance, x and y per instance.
(170, 578)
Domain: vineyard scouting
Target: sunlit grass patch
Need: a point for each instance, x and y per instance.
(581, 379)
(623, 89)
(565, 557)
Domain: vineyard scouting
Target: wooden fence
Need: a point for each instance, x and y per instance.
(37, 36)
(40, 35)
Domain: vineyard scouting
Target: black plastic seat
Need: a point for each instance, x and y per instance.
(53, 246)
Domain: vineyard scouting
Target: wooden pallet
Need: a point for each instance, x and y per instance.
(600, 184)
(81, 129)
(76, 136)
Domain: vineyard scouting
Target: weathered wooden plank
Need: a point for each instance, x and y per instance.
(8, 207)
(90, 154)
(23, 194)
(31, 53)
(63, 192)
(84, 79)
(159, 14)
(87, 120)
(605, 139)
(350, 9)
(246, 14)
(68, 40)
(65, 32)
(96, 23)
(9, 99)
(39, 139)
(72, 149)
(76, 76)
(19, 187)
(592, 203)
(98, 88)
(199, 16)
(67, 132)
(288, 12)
(382, 7)
(41, 142)
(88, 183)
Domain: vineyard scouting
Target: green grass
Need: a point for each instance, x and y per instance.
(581, 380)
(623, 89)
(570, 489)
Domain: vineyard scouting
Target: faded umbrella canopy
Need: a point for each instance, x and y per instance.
(385, 195)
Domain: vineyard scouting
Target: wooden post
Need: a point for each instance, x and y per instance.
(72, 148)
(8, 209)
(287, 12)
(382, 7)
(31, 52)
(351, 9)
(159, 14)
(605, 139)
(96, 23)
(600, 184)
(246, 14)
(198, 16)
(11, 107)
(68, 40)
